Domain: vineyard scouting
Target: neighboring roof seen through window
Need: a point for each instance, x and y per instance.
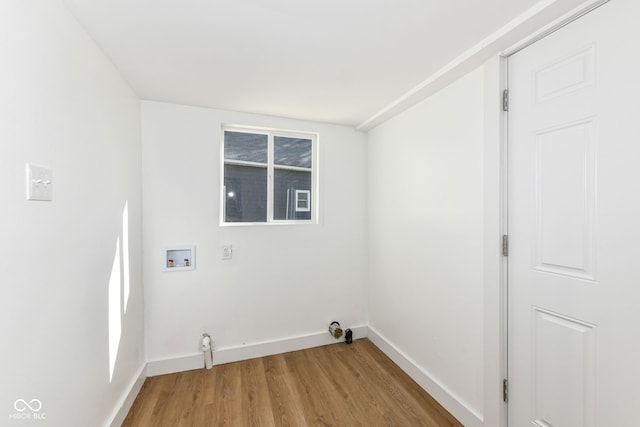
(292, 152)
(247, 147)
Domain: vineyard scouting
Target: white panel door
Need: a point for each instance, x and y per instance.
(574, 224)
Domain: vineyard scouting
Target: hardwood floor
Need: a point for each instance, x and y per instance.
(335, 385)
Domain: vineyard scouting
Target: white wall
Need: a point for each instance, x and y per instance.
(426, 240)
(284, 281)
(64, 105)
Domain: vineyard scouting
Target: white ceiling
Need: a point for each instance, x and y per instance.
(332, 61)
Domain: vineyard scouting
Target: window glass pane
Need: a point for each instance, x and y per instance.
(248, 147)
(289, 202)
(292, 151)
(245, 193)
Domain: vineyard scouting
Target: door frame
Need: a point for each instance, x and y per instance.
(496, 204)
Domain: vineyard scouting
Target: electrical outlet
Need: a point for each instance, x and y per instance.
(227, 252)
(39, 183)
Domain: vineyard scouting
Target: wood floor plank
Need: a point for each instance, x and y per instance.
(313, 389)
(145, 400)
(363, 404)
(286, 407)
(228, 402)
(335, 385)
(440, 416)
(256, 405)
(385, 375)
(167, 385)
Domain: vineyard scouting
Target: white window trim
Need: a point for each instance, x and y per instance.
(272, 132)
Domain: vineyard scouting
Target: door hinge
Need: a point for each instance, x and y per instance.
(505, 390)
(505, 245)
(505, 100)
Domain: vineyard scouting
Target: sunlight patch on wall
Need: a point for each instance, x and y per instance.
(115, 317)
(125, 253)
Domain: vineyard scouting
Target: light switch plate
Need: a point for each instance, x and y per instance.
(39, 182)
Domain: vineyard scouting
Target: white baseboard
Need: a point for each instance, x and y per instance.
(127, 401)
(250, 351)
(452, 403)
(175, 364)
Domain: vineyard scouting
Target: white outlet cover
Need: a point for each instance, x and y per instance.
(39, 182)
(227, 252)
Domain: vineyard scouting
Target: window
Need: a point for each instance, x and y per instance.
(269, 176)
(302, 201)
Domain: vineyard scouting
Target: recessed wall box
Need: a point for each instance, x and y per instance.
(179, 258)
